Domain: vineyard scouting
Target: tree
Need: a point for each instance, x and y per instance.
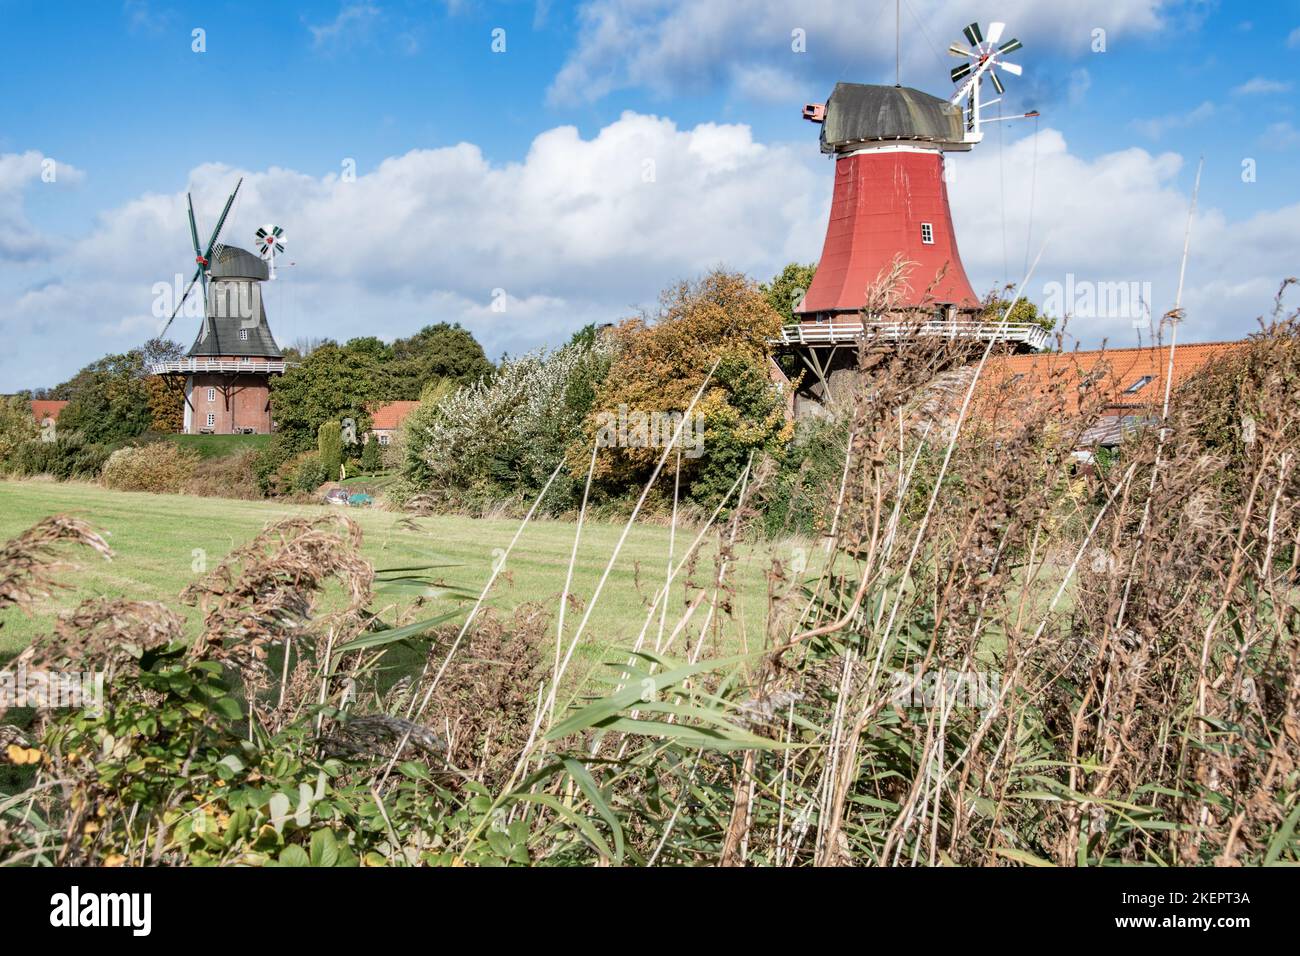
(108, 400)
(332, 383)
(787, 288)
(17, 426)
(370, 460)
(1023, 313)
(439, 351)
(329, 445)
(166, 402)
(660, 365)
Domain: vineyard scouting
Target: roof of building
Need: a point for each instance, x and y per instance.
(391, 415)
(43, 408)
(1125, 377)
(231, 262)
(1127, 384)
(857, 113)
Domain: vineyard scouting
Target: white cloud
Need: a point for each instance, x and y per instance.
(19, 240)
(353, 21)
(1158, 126)
(1260, 84)
(1293, 41)
(586, 230)
(580, 230)
(672, 45)
(1117, 218)
(1080, 83)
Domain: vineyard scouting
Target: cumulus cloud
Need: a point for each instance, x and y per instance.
(19, 240)
(353, 21)
(1261, 84)
(590, 229)
(667, 46)
(1117, 218)
(580, 230)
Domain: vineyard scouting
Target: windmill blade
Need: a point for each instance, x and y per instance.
(222, 221)
(959, 73)
(997, 84)
(958, 50)
(194, 229)
(1015, 69)
(1011, 46)
(995, 31)
(179, 305)
(973, 35)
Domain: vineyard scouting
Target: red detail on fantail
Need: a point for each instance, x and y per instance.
(881, 199)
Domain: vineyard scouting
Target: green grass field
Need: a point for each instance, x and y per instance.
(218, 446)
(157, 540)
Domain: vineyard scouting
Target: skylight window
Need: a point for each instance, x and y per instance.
(1140, 384)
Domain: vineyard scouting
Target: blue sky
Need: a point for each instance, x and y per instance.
(519, 176)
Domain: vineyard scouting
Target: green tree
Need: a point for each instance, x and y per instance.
(439, 351)
(787, 288)
(329, 445)
(333, 382)
(108, 400)
(1023, 313)
(370, 461)
(17, 426)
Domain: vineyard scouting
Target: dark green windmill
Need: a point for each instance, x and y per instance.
(202, 256)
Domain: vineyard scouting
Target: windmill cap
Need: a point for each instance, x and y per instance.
(235, 263)
(858, 113)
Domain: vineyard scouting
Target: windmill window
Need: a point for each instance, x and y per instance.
(243, 335)
(1140, 384)
(212, 396)
(212, 419)
(927, 233)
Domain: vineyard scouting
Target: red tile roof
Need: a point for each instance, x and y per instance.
(390, 416)
(45, 408)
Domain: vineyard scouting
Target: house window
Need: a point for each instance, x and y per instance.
(927, 233)
(212, 394)
(212, 419)
(243, 335)
(383, 438)
(1140, 384)
(245, 358)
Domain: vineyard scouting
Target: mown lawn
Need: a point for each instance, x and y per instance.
(160, 540)
(218, 446)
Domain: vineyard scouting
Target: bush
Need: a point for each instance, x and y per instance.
(801, 497)
(230, 476)
(329, 445)
(267, 466)
(503, 438)
(66, 458)
(370, 460)
(302, 473)
(161, 467)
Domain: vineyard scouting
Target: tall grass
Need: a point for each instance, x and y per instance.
(1008, 659)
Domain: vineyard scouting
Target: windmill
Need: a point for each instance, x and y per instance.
(984, 58)
(202, 256)
(270, 243)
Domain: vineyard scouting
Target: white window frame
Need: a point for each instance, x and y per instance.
(212, 394)
(383, 438)
(243, 335)
(212, 420)
(927, 233)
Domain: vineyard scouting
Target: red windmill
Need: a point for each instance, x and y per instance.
(891, 197)
(890, 208)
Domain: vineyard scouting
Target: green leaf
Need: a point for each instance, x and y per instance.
(324, 849)
(394, 634)
(294, 855)
(583, 778)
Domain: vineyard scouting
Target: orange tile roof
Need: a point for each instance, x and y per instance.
(43, 408)
(1115, 374)
(389, 416)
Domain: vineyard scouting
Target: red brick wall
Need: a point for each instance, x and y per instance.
(240, 401)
